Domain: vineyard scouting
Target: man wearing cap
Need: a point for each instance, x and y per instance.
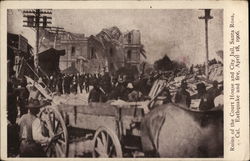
(31, 132)
(182, 96)
(206, 100)
(95, 93)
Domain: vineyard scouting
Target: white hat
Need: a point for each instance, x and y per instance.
(130, 86)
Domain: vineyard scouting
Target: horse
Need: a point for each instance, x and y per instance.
(171, 130)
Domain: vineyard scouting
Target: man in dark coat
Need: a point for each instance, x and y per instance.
(23, 97)
(67, 84)
(206, 100)
(11, 103)
(74, 84)
(60, 84)
(182, 95)
(118, 92)
(214, 91)
(13, 128)
(87, 81)
(81, 81)
(95, 93)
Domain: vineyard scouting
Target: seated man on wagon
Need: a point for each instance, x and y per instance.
(31, 136)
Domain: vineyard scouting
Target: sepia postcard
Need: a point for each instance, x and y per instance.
(131, 80)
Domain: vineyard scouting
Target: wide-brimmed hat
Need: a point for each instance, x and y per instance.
(34, 104)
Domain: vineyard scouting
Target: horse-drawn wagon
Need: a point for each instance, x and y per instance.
(113, 128)
(119, 128)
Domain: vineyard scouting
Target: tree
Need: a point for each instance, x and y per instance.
(163, 64)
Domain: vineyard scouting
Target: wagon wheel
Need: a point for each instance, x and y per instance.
(106, 144)
(54, 126)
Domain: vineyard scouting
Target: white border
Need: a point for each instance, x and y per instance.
(239, 7)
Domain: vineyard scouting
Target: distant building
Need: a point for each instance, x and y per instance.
(75, 46)
(108, 51)
(133, 49)
(96, 56)
(121, 50)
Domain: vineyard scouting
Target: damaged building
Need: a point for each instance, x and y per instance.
(111, 50)
(75, 46)
(107, 51)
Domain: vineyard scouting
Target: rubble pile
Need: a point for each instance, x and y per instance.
(216, 72)
(192, 79)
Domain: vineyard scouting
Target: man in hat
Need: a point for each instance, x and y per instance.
(134, 94)
(95, 93)
(118, 90)
(31, 132)
(81, 81)
(206, 100)
(87, 82)
(182, 95)
(215, 90)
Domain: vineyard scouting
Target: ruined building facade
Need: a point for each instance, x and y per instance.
(108, 51)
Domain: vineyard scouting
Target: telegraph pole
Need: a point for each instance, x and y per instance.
(206, 18)
(34, 19)
(57, 31)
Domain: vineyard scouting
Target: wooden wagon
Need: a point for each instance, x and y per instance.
(115, 129)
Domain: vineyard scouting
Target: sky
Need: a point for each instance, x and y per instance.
(178, 33)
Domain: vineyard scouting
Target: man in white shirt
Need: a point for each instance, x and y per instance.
(31, 132)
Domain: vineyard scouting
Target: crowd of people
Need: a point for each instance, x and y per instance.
(103, 88)
(69, 83)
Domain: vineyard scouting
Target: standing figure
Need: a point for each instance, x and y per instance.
(65, 83)
(11, 103)
(81, 81)
(23, 97)
(74, 84)
(95, 93)
(60, 84)
(12, 128)
(87, 81)
(182, 96)
(214, 91)
(206, 100)
(31, 132)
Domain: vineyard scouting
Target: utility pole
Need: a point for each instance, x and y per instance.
(206, 18)
(34, 19)
(56, 31)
